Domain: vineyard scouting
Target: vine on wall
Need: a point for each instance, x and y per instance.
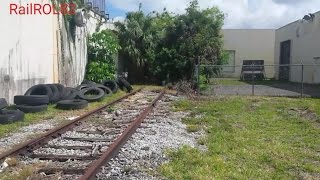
(69, 17)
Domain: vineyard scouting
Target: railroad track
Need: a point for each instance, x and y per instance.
(80, 148)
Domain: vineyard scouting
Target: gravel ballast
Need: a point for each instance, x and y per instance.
(26, 133)
(145, 150)
(140, 157)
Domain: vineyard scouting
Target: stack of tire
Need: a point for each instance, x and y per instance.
(37, 98)
(92, 92)
(9, 116)
(89, 91)
(69, 100)
(122, 83)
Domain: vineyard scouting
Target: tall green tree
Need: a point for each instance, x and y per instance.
(169, 46)
(136, 38)
(102, 48)
(192, 37)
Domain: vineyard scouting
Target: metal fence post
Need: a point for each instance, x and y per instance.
(302, 79)
(252, 65)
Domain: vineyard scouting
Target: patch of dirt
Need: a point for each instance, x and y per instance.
(254, 106)
(306, 114)
(309, 176)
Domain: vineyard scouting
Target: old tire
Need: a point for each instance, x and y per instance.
(3, 103)
(120, 85)
(88, 82)
(69, 93)
(40, 89)
(98, 94)
(111, 85)
(72, 104)
(9, 116)
(32, 109)
(4, 119)
(55, 94)
(124, 83)
(32, 100)
(106, 90)
(85, 86)
(61, 88)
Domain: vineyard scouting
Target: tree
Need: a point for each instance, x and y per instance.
(102, 48)
(192, 37)
(167, 46)
(135, 37)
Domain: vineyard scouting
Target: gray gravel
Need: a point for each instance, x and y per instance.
(145, 151)
(25, 133)
(51, 151)
(64, 142)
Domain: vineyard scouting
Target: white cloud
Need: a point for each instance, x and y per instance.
(240, 13)
(118, 19)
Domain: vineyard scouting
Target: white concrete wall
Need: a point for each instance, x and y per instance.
(305, 48)
(38, 49)
(27, 50)
(250, 44)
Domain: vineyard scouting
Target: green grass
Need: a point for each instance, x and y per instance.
(54, 113)
(251, 138)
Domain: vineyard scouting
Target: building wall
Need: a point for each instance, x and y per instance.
(250, 44)
(27, 51)
(37, 49)
(305, 48)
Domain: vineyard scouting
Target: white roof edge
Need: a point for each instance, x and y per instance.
(318, 12)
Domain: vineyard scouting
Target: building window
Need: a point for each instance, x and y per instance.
(231, 62)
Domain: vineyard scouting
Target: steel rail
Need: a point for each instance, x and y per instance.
(38, 142)
(115, 147)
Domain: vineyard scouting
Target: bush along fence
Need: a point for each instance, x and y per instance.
(255, 78)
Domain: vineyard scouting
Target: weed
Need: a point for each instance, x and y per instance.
(193, 128)
(250, 138)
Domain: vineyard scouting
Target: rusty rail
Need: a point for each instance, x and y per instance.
(113, 150)
(37, 142)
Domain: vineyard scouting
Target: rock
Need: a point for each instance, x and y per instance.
(118, 113)
(146, 148)
(72, 118)
(3, 166)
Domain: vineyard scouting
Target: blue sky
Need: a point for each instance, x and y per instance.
(115, 11)
(263, 14)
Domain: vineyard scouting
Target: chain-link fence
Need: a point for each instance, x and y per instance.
(293, 80)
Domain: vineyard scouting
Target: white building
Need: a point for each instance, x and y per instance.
(248, 44)
(295, 43)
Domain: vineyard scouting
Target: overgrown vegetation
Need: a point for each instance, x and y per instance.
(167, 46)
(251, 138)
(68, 11)
(102, 47)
